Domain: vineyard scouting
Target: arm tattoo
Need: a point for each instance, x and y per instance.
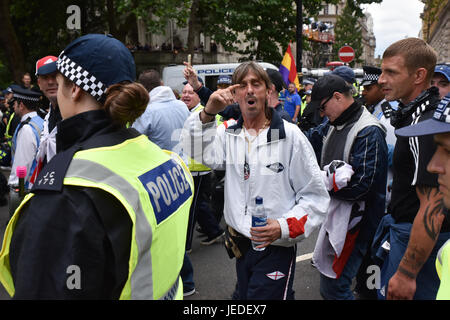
(414, 258)
(434, 209)
(406, 272)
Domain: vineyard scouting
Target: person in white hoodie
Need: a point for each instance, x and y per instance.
(164, 117)
(263, 156)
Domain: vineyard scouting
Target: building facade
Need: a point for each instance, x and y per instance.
(436, 27)
(322, 41)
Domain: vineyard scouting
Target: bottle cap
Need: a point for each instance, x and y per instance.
(259, 200)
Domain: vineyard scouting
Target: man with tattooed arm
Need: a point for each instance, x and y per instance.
(416, 225)
(439, 126)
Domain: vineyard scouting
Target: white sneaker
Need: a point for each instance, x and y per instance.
(189, 293)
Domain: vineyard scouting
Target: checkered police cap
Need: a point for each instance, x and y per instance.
(94, 62)
(440, 123)
(82, 78)
(25, 95)
(371, 75)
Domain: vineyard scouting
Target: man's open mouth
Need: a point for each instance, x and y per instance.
(251, 101)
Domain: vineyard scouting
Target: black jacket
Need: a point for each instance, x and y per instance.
(71, 226)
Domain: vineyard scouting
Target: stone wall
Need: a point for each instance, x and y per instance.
(440, 39)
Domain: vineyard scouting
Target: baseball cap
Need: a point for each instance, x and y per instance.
(224, 80)
(46, 65)
(443, 69)
(371, 75)
(326, 86)
(440, 123)
(96, 61)
(276, 78)
(345, 73)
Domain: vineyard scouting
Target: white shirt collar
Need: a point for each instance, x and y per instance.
(28, 115)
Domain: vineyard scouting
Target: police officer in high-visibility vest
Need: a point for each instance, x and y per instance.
(439, 126)
(107, 216)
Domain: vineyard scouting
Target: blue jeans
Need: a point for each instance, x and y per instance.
(201, 210)
(187, 274)
(340, 289)
(427, 281)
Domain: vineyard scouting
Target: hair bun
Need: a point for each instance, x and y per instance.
(125, 102)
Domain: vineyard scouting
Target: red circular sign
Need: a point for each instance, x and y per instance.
(346, 54)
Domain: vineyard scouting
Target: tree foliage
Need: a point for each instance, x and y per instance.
(257, 29)
(263, 27)
(155, 13)
(40, 26)
(348, 32)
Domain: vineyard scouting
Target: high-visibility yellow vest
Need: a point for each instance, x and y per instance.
(443, 271)
(7, 135)
(358, 89)
(195, 166)
(302, 108)
(156, 191)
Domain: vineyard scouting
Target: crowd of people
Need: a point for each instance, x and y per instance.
(119, 173)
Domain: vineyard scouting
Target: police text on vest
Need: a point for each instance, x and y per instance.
(167, 187)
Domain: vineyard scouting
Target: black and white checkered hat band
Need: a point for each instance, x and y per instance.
(442, 112)
(80, 77)
(371, 77)
(23, 97)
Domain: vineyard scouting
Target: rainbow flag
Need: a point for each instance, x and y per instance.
(288, 69)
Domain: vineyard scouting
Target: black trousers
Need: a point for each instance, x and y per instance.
(201, 210)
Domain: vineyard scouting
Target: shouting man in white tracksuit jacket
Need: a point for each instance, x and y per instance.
(263, 156)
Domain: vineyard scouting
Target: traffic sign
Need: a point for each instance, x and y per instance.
(346, 54)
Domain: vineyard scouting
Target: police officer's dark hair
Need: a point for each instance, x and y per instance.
(125, 101)
(150, 79)
(30, 105)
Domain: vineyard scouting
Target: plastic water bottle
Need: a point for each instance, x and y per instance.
(259, 219)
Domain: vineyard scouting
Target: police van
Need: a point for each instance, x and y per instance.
(172, 75)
